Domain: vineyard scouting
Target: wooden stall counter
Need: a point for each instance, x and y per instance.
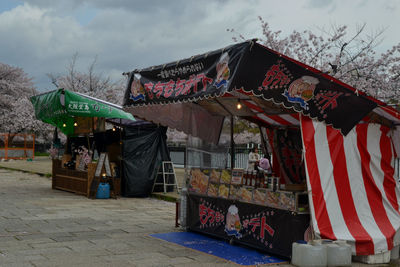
(76, 181)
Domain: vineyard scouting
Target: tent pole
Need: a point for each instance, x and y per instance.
(232, 142)
(232, 145)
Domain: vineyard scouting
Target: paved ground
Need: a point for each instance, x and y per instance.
(44, 227)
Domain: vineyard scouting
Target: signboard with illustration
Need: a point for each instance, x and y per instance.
(257, 71)
(266, 228)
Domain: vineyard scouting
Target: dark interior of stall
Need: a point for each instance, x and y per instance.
(135, 152)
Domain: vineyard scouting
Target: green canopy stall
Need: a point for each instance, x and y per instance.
(76, 114)
(61, 108)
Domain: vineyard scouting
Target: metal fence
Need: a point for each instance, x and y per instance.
(223, 159)
(201, 158)
(17, 146)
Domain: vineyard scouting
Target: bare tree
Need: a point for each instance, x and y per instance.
(90, 83)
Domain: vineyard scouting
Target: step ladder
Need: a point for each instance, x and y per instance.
(166, 171)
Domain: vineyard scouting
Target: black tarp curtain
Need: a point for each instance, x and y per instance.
(144, 149)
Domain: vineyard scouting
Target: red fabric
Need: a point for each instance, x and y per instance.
(354, 194)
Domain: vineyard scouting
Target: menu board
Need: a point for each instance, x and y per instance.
(287, 200)
(281, 200)
(234, 191)
(212, 189)
(226, 177)
(226, 184)
(260, 196)
(245, 194)
(223, 191)
(215, 175)
(198, 181)
(237, 175)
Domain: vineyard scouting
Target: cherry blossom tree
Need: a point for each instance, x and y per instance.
(349, 57)
(16, 112)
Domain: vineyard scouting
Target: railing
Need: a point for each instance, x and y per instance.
(17, 146)
(221, 159)
(241, 158)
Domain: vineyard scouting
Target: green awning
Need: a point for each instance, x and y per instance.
(61, 106)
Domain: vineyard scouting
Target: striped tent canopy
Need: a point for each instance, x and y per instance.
(349, 140)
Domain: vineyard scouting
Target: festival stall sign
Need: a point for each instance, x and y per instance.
(265, 228)
(61, 108)
(256, 71)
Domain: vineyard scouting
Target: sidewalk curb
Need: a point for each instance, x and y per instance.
(164, 197)
(47, 175)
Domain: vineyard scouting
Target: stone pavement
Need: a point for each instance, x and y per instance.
(44, 227)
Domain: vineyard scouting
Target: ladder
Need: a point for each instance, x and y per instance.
(166, 171)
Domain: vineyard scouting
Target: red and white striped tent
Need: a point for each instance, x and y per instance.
(350, 140)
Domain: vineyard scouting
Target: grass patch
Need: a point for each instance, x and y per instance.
(40, 154)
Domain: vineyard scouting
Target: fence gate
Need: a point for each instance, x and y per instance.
(17, 146)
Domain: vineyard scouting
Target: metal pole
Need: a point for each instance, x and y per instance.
(232, 146)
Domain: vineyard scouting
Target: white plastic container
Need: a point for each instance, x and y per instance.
(379, 258)
(307, 255)
(338, 254)
(394, 253)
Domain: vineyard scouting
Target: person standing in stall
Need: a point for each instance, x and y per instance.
(254, 159)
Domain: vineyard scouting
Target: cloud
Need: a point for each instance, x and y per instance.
(42, 41)
(42, 35)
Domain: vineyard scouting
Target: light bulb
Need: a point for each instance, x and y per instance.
(75, 124)
(238, 105)
(64, 125)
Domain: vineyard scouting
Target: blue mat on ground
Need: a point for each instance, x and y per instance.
(222, 249)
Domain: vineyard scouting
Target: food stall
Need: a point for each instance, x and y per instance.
(315, 127)
(82, 119)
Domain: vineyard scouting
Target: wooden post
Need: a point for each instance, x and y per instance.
(33, 147)
(232, 146)
(6, 147)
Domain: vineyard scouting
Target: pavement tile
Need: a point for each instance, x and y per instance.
(44, 251)
(44, 227)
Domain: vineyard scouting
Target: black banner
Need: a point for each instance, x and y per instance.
(207, 75)
(272, 76)
(268, 229)
(254, 69)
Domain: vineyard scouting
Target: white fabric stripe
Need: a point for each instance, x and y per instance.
(385, 114)
(395, 135)
(359, 193)
(268, 119)
(328, 184)
(290, 119)
(374, 149)
(310, 201)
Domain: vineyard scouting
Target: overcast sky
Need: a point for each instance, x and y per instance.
(41, 36)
